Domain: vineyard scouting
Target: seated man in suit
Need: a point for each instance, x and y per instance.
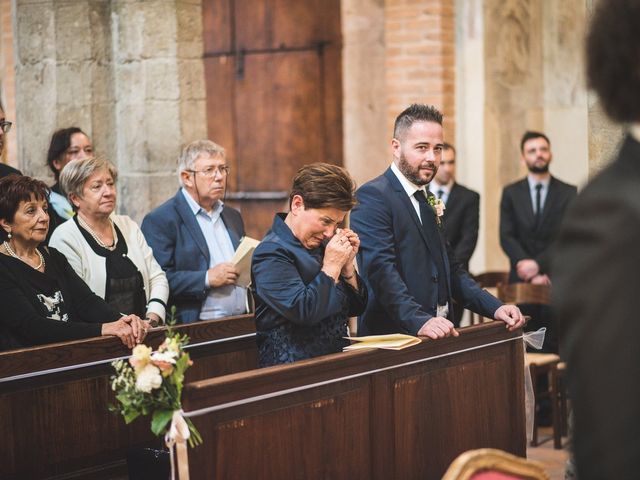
(531, 212)
(5, 126)
(461, 218)
(412, 278)
(194, 236)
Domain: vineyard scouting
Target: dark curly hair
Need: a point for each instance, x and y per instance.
(613, 58)
(15, 189)
(323, 185)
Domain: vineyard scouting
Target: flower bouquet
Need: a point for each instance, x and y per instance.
(150, 383)
(438, 207)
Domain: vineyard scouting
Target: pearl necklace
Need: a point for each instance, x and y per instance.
(10, 251)
(86, 226)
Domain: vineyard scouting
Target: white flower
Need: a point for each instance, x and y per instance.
(169, 357)
(439, 206)
(148, 378)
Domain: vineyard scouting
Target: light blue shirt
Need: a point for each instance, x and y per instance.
(434, 187)
(543, 192)
(221, 301)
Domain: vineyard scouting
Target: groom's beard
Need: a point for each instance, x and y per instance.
(416, 175)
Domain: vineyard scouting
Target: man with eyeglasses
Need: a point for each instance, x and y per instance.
(5, 126)
(194, 236)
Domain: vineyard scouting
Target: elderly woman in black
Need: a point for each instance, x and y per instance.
(42, 298)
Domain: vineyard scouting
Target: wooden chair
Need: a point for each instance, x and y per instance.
(539, 363)
(490, 464)
(489, 280)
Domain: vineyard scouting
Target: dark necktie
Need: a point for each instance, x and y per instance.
(432, 233)
(538, 202)
(440, 193)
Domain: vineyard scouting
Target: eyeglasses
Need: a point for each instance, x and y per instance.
(5, 126)
(211, 171)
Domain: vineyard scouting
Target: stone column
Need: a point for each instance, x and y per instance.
(534, 80)
(469, 108)
(129, 73)
(367, 150)
(604, 135)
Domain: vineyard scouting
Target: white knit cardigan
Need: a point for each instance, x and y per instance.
(91, 267)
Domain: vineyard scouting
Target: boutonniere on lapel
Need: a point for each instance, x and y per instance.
(438, 207)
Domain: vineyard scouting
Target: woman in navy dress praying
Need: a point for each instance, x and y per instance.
(303, 272)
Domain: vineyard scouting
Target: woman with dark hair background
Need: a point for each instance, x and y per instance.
(66, 144)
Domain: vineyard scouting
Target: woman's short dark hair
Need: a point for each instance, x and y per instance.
(323, 185)
(15, 189)
(60, 143)
(613, 58)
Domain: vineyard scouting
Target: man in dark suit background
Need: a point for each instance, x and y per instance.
(411, 277)
(461, 218)
(5, 126)
(596, 283)
(194, 236)
(531, 212)
(462, 213)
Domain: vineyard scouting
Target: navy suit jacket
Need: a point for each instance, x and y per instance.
(301, 312)
(395, 261)
(173, 233)
(520, 236)
(461, 222)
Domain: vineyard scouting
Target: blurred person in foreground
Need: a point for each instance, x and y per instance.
(596, 265)
(42, 298)
(303, 271)
(108, 251)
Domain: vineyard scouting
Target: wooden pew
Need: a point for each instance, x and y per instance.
(54, 418)
(364, 415)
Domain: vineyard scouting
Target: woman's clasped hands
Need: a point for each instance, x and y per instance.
(130, 329)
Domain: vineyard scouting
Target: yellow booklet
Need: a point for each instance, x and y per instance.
(394, 341)
(242, 260)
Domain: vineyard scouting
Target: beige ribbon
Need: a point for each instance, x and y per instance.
(178, 435)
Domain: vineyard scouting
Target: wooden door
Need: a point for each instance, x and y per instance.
(274, 95)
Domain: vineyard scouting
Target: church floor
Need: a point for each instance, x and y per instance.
(553, 460)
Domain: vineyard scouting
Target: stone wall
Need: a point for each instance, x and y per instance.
(7, 80)
(129, 73)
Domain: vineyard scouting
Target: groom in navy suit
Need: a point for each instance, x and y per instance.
(403, 259)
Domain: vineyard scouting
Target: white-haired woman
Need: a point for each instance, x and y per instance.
(109, 252)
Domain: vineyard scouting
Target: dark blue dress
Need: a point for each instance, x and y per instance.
(300, 311)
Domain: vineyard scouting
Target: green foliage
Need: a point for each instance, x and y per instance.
(150, 383)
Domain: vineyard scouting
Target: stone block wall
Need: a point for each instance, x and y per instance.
(7, 80)
(129, 73)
